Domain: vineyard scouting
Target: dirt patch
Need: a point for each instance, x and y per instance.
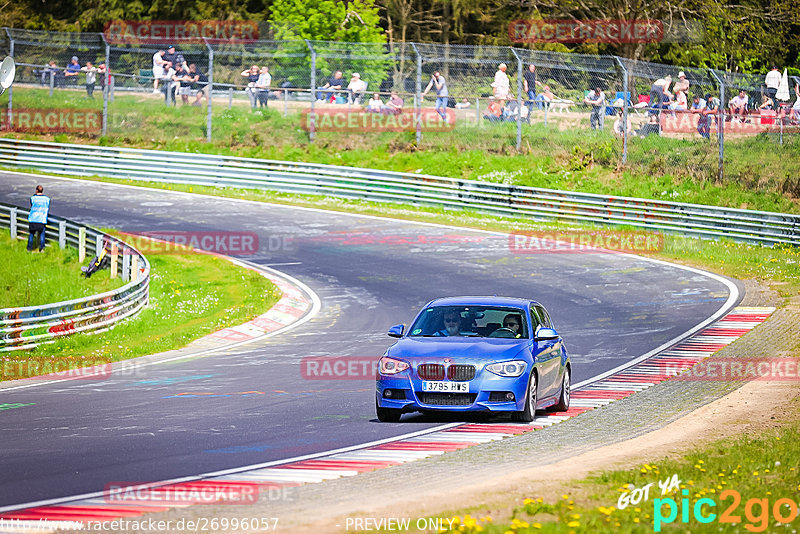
(756, 407)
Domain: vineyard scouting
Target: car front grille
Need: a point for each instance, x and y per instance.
(461, 373)
(431, 371)
(447, 399)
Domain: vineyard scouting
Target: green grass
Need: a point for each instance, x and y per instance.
(760, 174)
(191, 295)
(763, 467)
(33, 278)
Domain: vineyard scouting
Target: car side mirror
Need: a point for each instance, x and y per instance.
(545, 334)
(397, 330)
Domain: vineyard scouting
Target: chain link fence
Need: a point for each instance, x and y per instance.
(652, 115)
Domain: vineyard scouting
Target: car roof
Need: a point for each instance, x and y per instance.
(483, 301)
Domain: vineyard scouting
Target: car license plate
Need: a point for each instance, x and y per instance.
(446, 387)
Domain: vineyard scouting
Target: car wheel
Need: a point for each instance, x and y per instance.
(563, 400)
(387, 415)
(527, 415)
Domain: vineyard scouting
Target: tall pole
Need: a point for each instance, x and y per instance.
(519, 97)
(624, 109)
(9, 123)
(418, 95)
(106, 84)
(312, 118)
(209, 119)
(720, 126)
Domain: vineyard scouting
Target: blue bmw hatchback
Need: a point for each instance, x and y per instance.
(475, 354)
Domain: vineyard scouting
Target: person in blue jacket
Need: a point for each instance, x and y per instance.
(37, 218)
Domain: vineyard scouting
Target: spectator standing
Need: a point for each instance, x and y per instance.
(501, 84)
(334, 83)
(442, 96)
(252, 75)
(170, 58)
(738, 106)
(200, 82)
(262, 87)
(707, 114)
(158, 68)
(185, 80)
(73, 69)
(91, 76)
(394, 105)
(620, 126)
(169, 85)
(682, 84)
(375, 104)
(597, 99)
(37, 218)
(698, 104)
(659, 95)
(796, 107)
(529, 83)
(772, 80)
(356, 89)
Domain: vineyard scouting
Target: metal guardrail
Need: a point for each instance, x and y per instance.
(695, 220)
(24, 328)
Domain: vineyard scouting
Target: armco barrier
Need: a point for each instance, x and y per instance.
(23, 328)
(767, 228)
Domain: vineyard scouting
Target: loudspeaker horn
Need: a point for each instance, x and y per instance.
(7, 71)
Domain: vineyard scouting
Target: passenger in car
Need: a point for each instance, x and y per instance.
(452, 324)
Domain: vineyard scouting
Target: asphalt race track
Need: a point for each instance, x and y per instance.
(369, 274)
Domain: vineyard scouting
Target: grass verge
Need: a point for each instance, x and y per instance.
(32, 278)
(191, 295)
(760, 173)
(743, 484)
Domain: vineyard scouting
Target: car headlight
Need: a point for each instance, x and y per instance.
(390, 366)
(512, 368)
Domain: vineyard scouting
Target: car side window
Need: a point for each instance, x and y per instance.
(545, 318)
(535, 318)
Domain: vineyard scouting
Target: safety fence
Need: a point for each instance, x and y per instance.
(316, 80)
(26, 327)
(537, 204)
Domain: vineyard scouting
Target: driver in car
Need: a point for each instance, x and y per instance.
(513, 322)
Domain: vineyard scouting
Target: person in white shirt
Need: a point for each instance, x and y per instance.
(357, 87)
(464, 104)
(500, 86)
(375, 104)
(262, 87)
(158, 68)
(738, 106)
(597, 99)
(772, 80)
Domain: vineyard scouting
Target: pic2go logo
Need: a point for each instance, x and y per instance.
(756, 511)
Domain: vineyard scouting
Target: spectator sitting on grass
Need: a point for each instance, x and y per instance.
(680, 103)
(73, 69)
(464, 104)
(252, 75)
(619, 128)
(494, 112)
(356, 89)
(335, 83)
(375, 104)
(766, 103)
(738, 106)
(651, 127)
(545, 97)
(394, 105)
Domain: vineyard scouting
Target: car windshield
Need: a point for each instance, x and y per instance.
(470, 321)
